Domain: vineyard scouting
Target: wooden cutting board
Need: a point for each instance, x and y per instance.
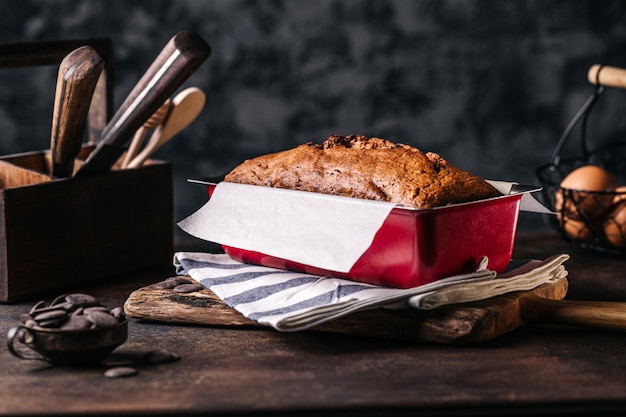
(469, 323)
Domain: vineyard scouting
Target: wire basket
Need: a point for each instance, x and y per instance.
(594, 220)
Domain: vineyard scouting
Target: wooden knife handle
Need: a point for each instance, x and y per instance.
(76, 82)
(599, 314)
(180, 57)
(607, 76)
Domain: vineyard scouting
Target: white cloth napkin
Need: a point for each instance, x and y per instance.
(292, 301)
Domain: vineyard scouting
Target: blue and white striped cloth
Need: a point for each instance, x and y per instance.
(291, 301)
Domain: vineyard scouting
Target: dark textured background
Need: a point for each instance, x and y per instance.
(488, 84)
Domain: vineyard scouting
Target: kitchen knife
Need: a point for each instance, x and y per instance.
(76, 81)
(182, 55)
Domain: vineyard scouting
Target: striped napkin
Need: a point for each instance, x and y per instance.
(292, 301)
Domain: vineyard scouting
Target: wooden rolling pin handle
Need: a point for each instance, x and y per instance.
(599, 314)
(607, 76)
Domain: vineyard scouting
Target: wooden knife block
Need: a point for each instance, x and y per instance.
(58, 233)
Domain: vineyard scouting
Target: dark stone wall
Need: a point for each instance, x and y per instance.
(490, 85)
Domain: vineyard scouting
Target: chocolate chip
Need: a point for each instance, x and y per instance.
(50, 323)
(59, 299)
(120, 372)
(119, 314)
(78, 311)
(77, 322)
(50, 315)
(187, 288)
(73, 312)
(36, 307)
(164, 285)
(82, 300)
(160, 356)
(172, 282)
(101, 318)
(52, 307)
(30, 323)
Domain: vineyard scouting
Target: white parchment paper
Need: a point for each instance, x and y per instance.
(325, 231)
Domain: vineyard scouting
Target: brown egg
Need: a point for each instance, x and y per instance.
(578, 230)
(615, 225)
(579, 187)
(620, 194)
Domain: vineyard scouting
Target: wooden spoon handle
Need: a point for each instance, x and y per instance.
(186, 106)
(598, 314)
(153, 121)
(76, 82)
(607, 76)
(135, 144)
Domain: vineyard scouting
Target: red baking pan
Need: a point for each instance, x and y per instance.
(418, 246)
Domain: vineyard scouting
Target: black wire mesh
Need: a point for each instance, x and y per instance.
(594, 220)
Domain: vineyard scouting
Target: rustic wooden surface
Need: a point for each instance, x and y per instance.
(534, 370)
(466, 324)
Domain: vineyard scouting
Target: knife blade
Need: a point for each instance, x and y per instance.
(180, 57)
(78, 75)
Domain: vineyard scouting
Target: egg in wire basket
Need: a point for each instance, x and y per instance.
(588, 196)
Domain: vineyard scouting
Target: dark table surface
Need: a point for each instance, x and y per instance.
(537, 369)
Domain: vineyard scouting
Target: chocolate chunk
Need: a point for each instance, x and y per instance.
(82, 300)
(52, 307)
(73, 312)
(186, 288)
(41, 304)
(50, 315)
(50, 323)
(101, 318)
(30, 323)
(59, 299)
(172, 282)
(77, 322)
(118, 313)
(120, 372)
(179, 280)
(78, 311)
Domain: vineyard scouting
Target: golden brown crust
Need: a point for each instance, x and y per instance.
(369, 168)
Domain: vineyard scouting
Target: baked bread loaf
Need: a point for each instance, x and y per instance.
(368, 168)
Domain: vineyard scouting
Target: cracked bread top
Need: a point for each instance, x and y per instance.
(368, 168)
